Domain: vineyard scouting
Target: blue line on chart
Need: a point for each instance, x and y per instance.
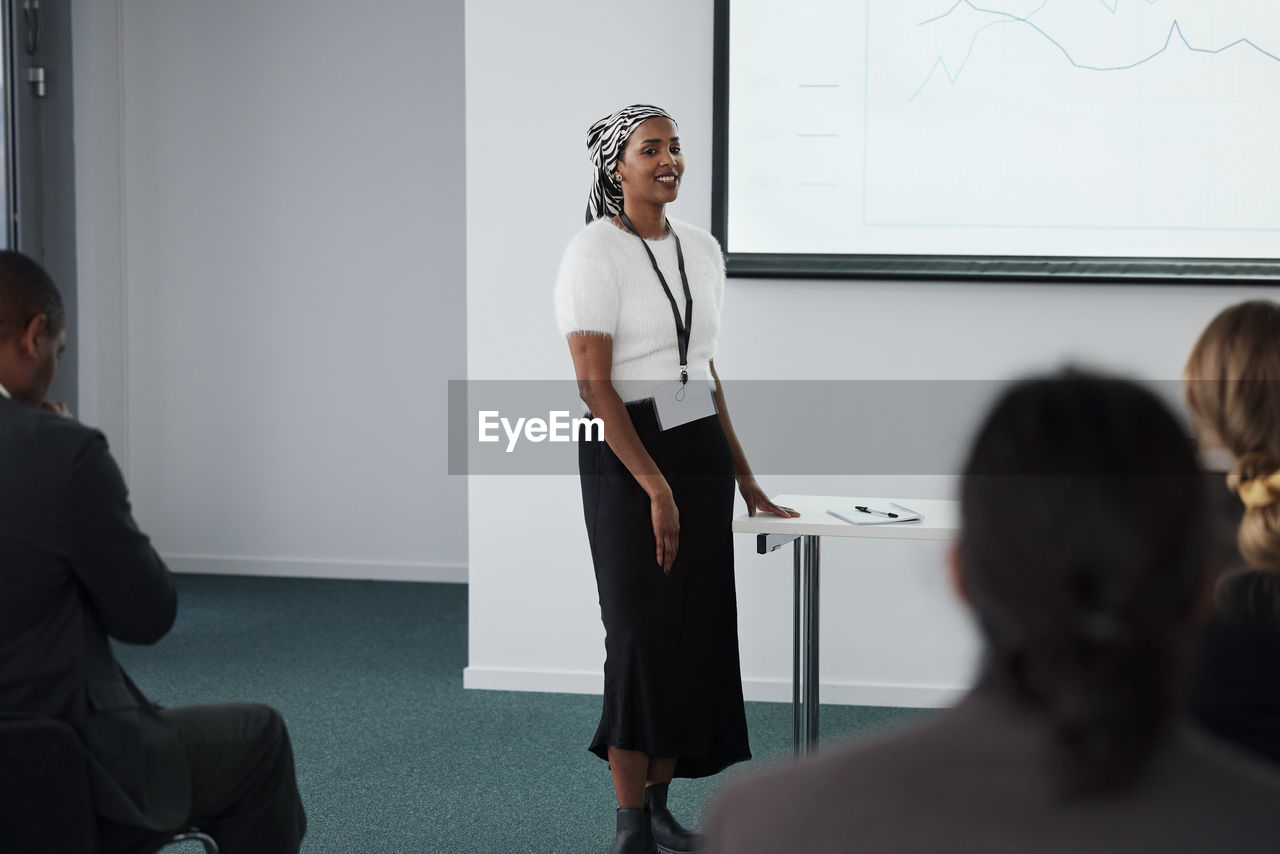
(973, 42)
(1112, 8)
(1175, 27)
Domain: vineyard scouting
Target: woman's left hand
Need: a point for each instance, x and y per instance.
(757, 500)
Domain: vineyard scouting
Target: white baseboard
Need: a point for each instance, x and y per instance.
(755, 690)
(538, 681)
(449, 573)
(859, 693)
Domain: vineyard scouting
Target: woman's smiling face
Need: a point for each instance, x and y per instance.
(652, 165)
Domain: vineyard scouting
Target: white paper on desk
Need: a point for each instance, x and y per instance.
(880, 517)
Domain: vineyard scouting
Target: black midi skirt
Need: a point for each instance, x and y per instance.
(672, 679)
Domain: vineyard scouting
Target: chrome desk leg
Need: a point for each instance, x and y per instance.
(811, 564)
(804, 646)
(797, 727)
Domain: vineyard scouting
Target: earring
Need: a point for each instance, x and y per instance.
(617, 177)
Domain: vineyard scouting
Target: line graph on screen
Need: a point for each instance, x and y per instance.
(1110, 117)
(1005, 18)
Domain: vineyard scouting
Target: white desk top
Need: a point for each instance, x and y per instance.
(940, 520)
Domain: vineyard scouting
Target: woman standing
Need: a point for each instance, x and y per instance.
(638, 297)
(1233, 392)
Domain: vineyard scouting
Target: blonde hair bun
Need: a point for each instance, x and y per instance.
(1256, 479)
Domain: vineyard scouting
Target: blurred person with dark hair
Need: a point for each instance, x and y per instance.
(1084, 560)
(75, 570)
(1233, 392)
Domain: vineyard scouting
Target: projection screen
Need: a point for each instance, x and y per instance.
(1037, 139)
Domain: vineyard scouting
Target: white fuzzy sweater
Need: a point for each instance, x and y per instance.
(607, 286)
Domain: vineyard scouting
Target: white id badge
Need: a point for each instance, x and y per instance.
(679, 403)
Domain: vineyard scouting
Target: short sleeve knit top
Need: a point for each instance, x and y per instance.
(607, 286)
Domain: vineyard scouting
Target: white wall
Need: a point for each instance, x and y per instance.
(537, 75)
(270, 223)
(99, 182)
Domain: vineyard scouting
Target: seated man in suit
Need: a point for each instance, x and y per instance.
(75, 571)
(1084, 557)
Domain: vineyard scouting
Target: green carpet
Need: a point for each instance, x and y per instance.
(392, 754)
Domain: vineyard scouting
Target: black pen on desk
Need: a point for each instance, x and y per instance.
(876, 512)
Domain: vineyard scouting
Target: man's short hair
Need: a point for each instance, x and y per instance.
(26, 291)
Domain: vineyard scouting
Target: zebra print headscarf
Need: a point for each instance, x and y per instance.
(605, 141)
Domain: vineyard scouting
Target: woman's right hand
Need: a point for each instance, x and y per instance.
(666, 528)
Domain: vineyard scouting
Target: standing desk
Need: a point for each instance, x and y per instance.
(940, 521)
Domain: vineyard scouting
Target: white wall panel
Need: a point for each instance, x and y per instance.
(292, 278)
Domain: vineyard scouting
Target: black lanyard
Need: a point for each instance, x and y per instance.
(682, 329)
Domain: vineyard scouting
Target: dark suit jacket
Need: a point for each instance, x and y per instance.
(75, 569)
(1235, 675)
(971, 779)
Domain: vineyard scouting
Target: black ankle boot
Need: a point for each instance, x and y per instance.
(670, 837)
(634, 835)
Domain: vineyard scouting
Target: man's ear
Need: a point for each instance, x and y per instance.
(955, 573)
(29, 340)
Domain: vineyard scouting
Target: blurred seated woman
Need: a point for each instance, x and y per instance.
(1084, 560)
(1233, 392)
